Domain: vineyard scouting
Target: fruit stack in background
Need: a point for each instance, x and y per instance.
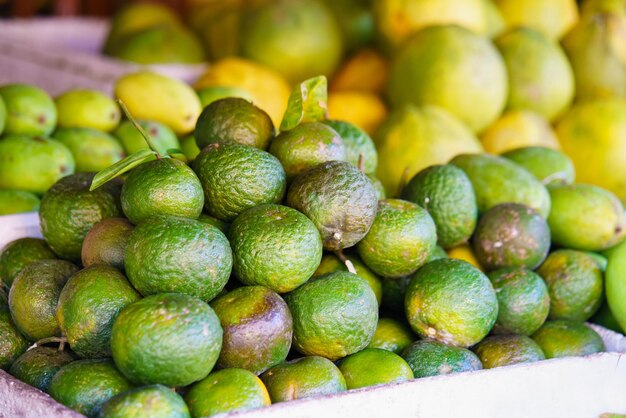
(246, 243)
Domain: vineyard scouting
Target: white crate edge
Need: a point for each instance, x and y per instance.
(20, 225)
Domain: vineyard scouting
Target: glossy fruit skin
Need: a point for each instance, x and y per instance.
(38, 365)
(511, 235)
(498, 180)
(339, 199)
(275, 246)
(506, 350)
(350, 310)
(357, 142)
(224, 391)
(171, 254)
(88, 304)
(155, 401)
(400, 240)
(258, 328)
(523, 301)
(169, 338)
(234, 119)
(238, 177)
(575, 284)
(34, 296)
(162, 187)
(33, 163)
(447, 194)
(433, 358)
(20, 253)
(451, 301)
(373, 366)
(307, 145)
(106, 242)
(562, 338)
(65, 233)
(586, 217)
(13, 343)
(85, 385)
(302, 378)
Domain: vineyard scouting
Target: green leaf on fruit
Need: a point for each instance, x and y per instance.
(307, 103)
(122, 166)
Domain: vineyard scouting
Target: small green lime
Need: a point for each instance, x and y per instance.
(162, 187)
(20, 253)
(38, 365)
(506, 350)
(373, 366)
(550, 166)
(225, 391)
(12, 343)
(391, 335)
(562, 338)
(154, 401)
(432, 358)
(275, 246)
(360, 149)
(106, 242)
(302, 378)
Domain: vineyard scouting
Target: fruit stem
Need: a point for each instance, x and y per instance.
(344, 260)
(60, 340)
(404, 179)
(137, 126)
(361, 163)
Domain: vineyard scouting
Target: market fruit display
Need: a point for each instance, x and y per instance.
(232, 244)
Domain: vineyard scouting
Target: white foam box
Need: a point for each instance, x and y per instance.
(584, 387)
(58, 54)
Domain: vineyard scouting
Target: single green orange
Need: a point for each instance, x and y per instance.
(575, 284)
(169, 338)
(225, 391)
(373, 366)
(563, 338)
(330, 263)
(20, 253)
(38, 365)
(88, 304)
(506, 350)
(257, 328)
(18, 201)
(85, 385)
(33, 163)
(154, 401)
(34, 296)
(550, 166)
(69, 210)
(93, 150)
(433, 358)
(259, 178)
(274, 246)
(339, 199)
(12, 343)
(132, 140)
(360, 149)
(350, 311)
(451, 301)
(171, 254)
(391, 335)
(400, 240)
(307, 145)
(511, 235)
(302, 378)
(162, 187)
(234, 119)
(586, 217)
(447, 194)
(30, 110)
(523, 301)
(82, 108)
(499, 180)
(106, 242)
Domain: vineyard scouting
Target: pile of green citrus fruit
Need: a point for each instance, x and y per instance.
(213, 251)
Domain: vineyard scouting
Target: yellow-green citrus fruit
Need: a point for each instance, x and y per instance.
(506, 350)
(433, 358)
(373, 366)
(81, 108)
(561, 338)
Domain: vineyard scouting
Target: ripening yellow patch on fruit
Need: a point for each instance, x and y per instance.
(464, 252)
